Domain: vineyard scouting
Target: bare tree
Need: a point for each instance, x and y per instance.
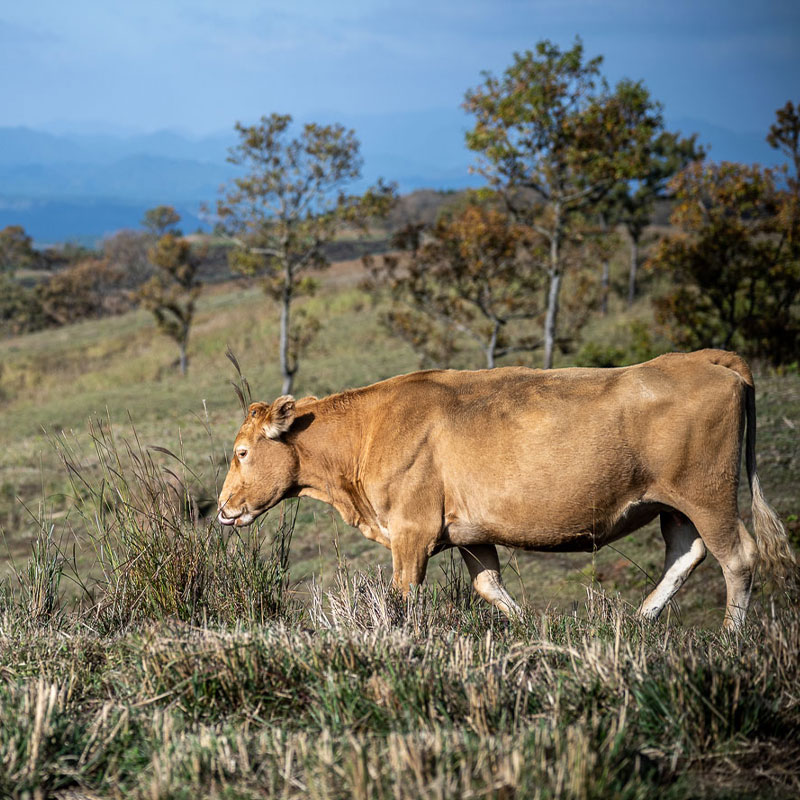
(287, 206)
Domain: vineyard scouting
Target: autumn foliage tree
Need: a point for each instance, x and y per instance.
(734, 268)
(171, 294)
(553, 140)
(16, 249)
(288, 205)
(473, 274)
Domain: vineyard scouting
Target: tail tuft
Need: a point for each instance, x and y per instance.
(774, 549)
(776, 553)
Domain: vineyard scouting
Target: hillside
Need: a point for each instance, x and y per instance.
(119, 372)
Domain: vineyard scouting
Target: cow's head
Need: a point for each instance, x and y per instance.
(264, 466)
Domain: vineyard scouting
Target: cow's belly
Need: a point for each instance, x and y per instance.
(582, 530)
(543, 491)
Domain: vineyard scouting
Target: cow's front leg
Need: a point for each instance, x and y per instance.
(484, 569)
(410, 554)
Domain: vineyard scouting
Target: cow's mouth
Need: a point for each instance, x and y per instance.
(242, 518)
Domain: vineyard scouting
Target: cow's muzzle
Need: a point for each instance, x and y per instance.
(232, 516)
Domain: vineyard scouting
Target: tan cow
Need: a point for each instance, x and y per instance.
(558, 460)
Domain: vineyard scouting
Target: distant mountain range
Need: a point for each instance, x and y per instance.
(82, 187)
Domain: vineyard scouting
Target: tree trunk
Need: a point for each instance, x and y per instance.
(633, 269)
(551, 318)
(287, 370)
(605, 282)
(184, 361)
(491, 347)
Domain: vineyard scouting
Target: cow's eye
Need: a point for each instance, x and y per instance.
(242, 452)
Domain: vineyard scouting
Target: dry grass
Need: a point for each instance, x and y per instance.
(365, 696)
(191, 668)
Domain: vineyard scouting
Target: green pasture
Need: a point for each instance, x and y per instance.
(117, 374)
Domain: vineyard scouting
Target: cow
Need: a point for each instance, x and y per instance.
(546, 460)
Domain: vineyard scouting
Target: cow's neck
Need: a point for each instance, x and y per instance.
(328, 452)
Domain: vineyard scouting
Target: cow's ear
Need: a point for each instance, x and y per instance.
(280, 417)
(256, 410)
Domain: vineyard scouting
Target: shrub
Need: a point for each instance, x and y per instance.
(157, 556)
(630, 343)
(20, 308)
(83, 291)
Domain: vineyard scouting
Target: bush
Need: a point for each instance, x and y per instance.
(631, 343)
(20, 308)
(86, 290)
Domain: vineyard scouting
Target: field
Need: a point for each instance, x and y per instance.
(146, 655)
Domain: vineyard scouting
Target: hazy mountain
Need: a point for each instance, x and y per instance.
(84, 220)
(78, 185)
(23, 146)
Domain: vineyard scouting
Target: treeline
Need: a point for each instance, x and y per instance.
(52, 287)
(575, 170)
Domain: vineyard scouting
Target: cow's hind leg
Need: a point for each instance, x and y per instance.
(685, 550)
(732, 545)
(484, 569)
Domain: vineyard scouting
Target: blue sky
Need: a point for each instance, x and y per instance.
(198, 65)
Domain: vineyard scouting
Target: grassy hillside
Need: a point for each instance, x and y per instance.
(119, 373)
(278, 663)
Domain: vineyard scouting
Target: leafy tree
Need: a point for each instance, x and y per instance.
(736, 272)
(554, 140)
(172, 292)
(784, 135)
(161, 220)
(16, 249)
(289, 204)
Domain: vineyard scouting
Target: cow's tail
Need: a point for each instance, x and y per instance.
(777, 555)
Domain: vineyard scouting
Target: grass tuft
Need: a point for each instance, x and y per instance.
(157, 557)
